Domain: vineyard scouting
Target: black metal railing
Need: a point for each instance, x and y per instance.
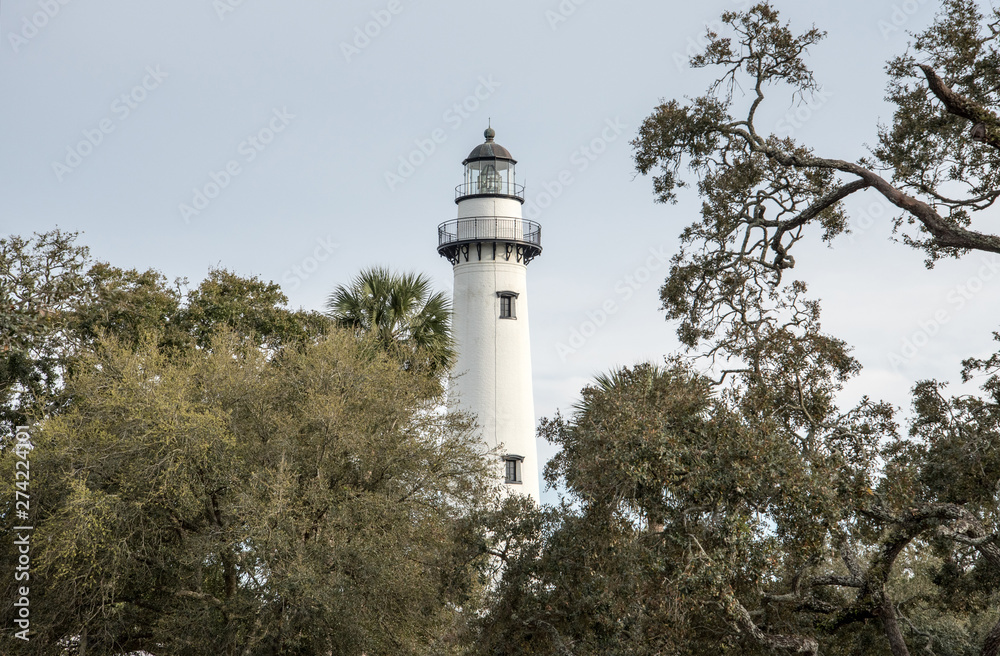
(508, 189)
(489, 228)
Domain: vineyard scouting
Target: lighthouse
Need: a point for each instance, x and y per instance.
(490, 246)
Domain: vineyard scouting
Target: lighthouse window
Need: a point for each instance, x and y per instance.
(507, 308)
(513, 469)
(489, 180)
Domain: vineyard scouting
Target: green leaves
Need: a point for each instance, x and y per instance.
(942, 142)
(55, 302)
(218, 474)
(220, 500)
(766, 50)
(678, 132)
(401, 312)
(764, 193)
(40, 281)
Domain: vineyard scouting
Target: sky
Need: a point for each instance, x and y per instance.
(302, 141)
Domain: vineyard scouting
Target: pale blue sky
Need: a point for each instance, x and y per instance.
(200, 78)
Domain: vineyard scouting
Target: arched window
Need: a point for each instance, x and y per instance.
(508, 305)
(512, 469)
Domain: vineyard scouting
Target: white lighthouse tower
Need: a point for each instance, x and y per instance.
(490, 246)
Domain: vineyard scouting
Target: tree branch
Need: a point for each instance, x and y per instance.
(200, 596)
(831, 579)
(945, 234)
(793, 643)
(991, 645)
(811, 213)
(986, 128)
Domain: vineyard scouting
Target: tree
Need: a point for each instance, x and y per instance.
(250, 307)
(762, 193)
(40, 279)
(227, 501)
(401, 311)
(55, 302)
(761, 518)
(217, 474)
(580, 583)
(596, 576)
(788, 523)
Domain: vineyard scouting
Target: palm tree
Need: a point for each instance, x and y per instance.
(401, 311)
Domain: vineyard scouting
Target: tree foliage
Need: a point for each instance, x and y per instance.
(220, 502)
(763, 193)
(55, 302)
(217, 474)
(759, 518)
(752, 513)
(39, 281)
(401, 311)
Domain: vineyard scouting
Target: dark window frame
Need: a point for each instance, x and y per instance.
(508, 304)
(512, 469)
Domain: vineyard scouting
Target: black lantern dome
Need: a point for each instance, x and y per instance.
(489, 171)
(489, 150)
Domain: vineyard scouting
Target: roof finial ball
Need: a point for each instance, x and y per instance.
(490, 133)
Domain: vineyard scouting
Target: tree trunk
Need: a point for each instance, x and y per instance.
(229, 574)
(887, 613)
(991, 646)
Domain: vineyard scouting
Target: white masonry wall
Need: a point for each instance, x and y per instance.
(494, 354)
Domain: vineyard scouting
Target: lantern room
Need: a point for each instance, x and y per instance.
(489, 171)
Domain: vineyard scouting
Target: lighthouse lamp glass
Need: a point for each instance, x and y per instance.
(490, 181)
